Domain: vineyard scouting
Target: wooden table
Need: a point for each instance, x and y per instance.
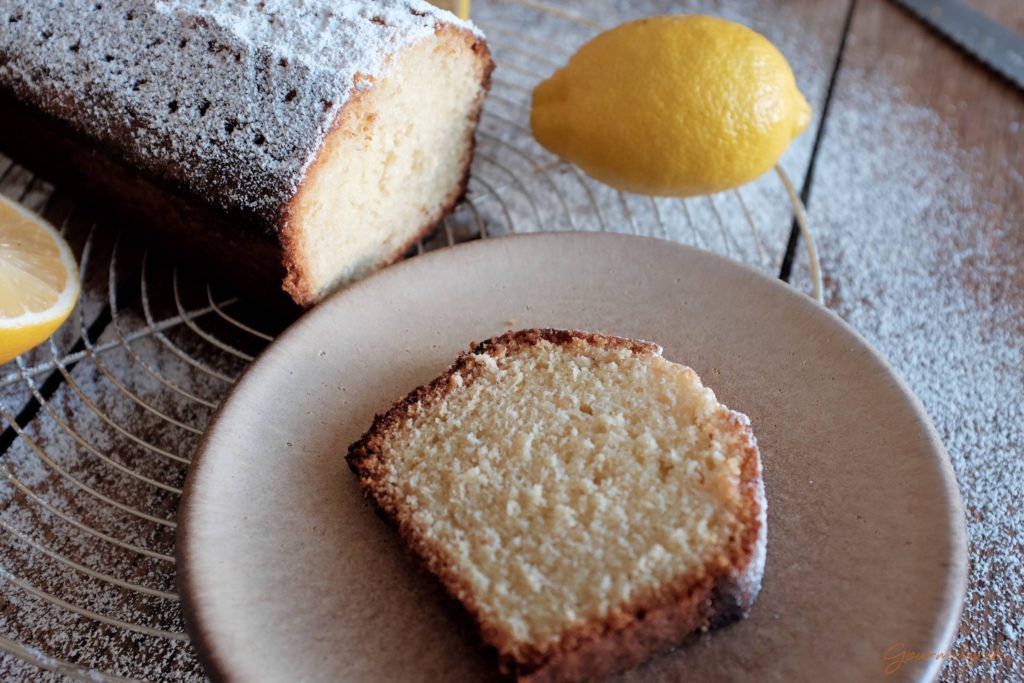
(913, 172)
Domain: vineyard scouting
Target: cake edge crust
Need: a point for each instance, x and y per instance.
(653, 624)
(298, 282)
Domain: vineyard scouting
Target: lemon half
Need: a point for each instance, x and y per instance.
(38, 280)
(459, 8)
(672, 106)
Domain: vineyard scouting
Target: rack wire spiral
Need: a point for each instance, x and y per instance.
(99, 423)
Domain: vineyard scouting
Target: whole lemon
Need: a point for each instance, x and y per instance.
(672, 106)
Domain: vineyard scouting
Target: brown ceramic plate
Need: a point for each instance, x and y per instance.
(287, 574)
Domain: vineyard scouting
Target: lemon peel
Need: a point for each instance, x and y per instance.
(672, 106)
(459, 8)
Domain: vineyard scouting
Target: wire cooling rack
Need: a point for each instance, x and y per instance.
(98, 425)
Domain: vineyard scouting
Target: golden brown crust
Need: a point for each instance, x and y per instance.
(298, 282)
(721, 592)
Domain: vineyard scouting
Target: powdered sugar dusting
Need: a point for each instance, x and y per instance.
(919, 261)
(230, 99)
(51, 634)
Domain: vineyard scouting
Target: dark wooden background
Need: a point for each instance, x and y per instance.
(913, 173)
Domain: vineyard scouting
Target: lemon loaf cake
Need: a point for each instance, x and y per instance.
(301, 143)
(589, 502)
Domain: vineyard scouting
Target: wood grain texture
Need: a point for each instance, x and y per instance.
(1009, 13)
(916, 201)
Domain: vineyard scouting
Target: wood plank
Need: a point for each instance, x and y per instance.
(1010, 13)
(917, 200)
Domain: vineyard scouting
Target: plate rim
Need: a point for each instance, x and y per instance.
(201, 639)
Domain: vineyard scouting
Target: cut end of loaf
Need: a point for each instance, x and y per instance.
(396, 161)
(588, 501)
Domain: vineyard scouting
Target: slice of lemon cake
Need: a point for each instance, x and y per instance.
(589, 502)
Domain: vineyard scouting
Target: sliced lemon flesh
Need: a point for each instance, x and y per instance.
(459, 8)
(38, 280)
